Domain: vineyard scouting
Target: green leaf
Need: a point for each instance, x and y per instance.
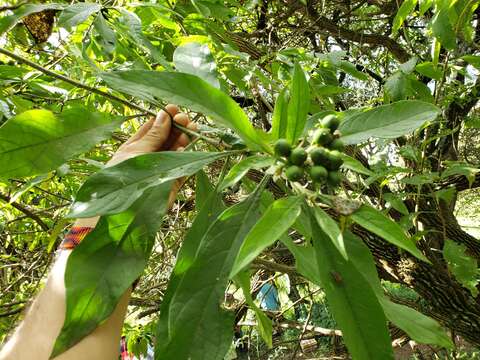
(407, 7)
(396, 203)
(349, 68)
(424, 5)
(387, 121)
(7, 22)
(441, 27)
(354, 165)
(330, 227)
(203, 189)
(107, 38)
(114, 189)
(463, 267)
(376, 222)
(207, 213)
(105, 264)
(38, 141)
(396, 86)
(187, 90)
(298, 105)
(77, 13)
(419, 327)
(196, 59)
(472, 60)
(280, 116)
(198, 328)
(276, 220)
(264, 326)
(352, 301)
(240, 169)
(430, 70)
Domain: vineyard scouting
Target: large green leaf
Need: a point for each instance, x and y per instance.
(38, 141)
(419, 327)
(276, 220)
(198, 328)
(387, 121)
(77, 13)
(114, 189)
(7, 22)
(280, 115)
(212, 206)
(187, 90)
(352, 301)
(106, 262)
(376, 222)
(196, 59)
(298, 105)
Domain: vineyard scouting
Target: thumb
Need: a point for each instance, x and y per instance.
(158, 134)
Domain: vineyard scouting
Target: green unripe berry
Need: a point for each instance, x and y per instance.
(334, 178)
(294, 173)
(330, 121)
(337, 144)
(319, 156)
(298, 156)
(318, 173)
(334, 160)
(282, 148)
(322, 137)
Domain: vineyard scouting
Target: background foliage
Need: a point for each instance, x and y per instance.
(76, 78)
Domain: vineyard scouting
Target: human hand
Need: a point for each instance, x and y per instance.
(157, 134)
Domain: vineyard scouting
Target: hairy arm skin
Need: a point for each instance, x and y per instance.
(36, 335)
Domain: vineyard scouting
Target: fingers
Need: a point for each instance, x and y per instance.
(177, 137)
(141, 132)
(159, 132)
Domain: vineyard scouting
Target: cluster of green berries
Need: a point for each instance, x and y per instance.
(324, 155)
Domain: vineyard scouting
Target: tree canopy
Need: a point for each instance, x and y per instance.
(337, 157)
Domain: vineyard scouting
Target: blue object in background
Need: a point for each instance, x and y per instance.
(268, 296)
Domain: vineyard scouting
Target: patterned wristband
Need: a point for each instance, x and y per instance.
(74, 237)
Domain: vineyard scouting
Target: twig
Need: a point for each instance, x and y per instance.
(105, 94)
(12, 7)
(26, 211)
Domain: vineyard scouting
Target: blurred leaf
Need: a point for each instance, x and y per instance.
(354, 165)
(472, 60)
(331, 229)
(463, 267)
(106, 36)
(38, 141)
(196, 59)
(9, 21)
(77, 13)
(407, 7)
(430, 70)
(441, 26)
